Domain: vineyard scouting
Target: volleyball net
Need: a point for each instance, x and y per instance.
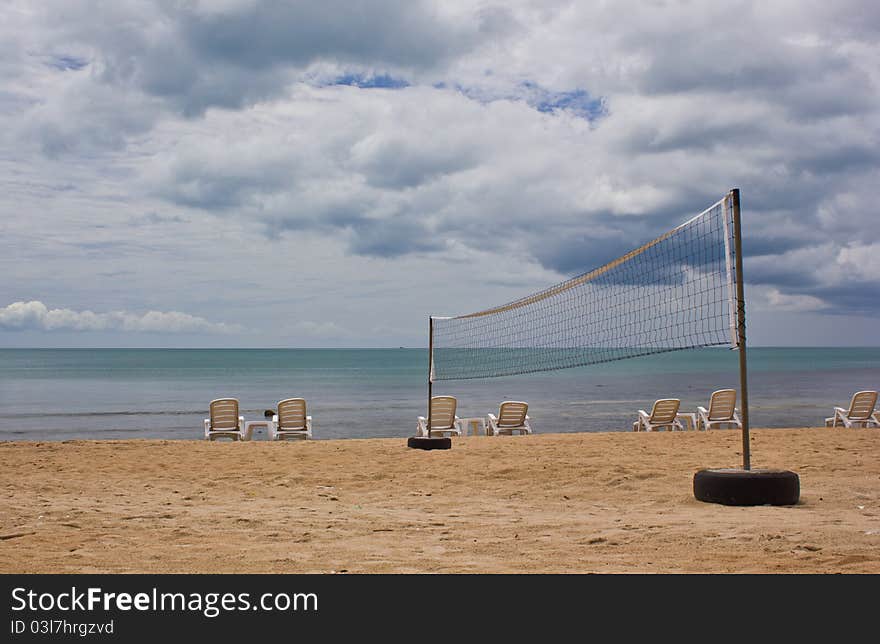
(675, 292)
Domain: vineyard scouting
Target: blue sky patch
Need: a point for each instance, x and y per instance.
(67, 63)
(578, 102)
(367, 81)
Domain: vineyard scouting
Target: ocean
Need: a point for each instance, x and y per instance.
(63, 394)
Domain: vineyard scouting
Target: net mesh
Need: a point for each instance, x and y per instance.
(675, 292)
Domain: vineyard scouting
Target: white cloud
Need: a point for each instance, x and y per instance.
(771, 299)
(861, 261)
(34, 315)
(487, 173)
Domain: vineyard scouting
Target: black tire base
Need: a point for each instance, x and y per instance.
(747, 487)
(424, 442)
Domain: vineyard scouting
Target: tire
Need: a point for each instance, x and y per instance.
(747, 487)
(434, 442)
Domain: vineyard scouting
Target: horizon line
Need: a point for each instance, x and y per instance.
(424, 348)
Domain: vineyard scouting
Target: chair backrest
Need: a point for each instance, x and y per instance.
(291, 414)
(722, 404)
(224, 414)
(512, 413)
(862, 405)
(443, 412)
(664, 411)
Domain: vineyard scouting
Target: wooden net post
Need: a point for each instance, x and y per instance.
(741, 326)
(430, 368)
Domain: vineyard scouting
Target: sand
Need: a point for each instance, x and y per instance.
(548, 503)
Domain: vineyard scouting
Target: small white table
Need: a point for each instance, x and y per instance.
(474, 424)
(691, 419)
(251, 425)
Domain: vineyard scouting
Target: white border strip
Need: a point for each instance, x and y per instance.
(731, 293)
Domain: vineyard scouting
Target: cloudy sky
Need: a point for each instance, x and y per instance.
(282, 173)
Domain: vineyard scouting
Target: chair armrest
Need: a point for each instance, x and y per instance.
(491, 425)
(702, 410)
(644, 414)
(207, 427)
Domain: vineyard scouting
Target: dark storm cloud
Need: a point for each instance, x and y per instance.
(395, 164)
(859, 298)
(269, 33)
(195, 58)
(392, 238)
(756, 245)
(365, 236)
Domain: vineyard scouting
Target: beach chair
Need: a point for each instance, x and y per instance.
(443, 418)
(512, 417)
(722, 411)
(290, 421)
(859, 414)
(663, 414)
(224, 422)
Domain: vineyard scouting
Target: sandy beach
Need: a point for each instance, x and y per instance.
(548, 503)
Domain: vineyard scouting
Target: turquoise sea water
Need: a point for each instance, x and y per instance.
(59, 394)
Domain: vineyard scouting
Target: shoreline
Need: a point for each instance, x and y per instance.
(260, 437)
(606, 502)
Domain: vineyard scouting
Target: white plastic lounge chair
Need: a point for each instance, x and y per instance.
(663, 414)
(512, 417)
(859, 414)
(722, 411)
(290, 421)
(443, 418)
(224, 421)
